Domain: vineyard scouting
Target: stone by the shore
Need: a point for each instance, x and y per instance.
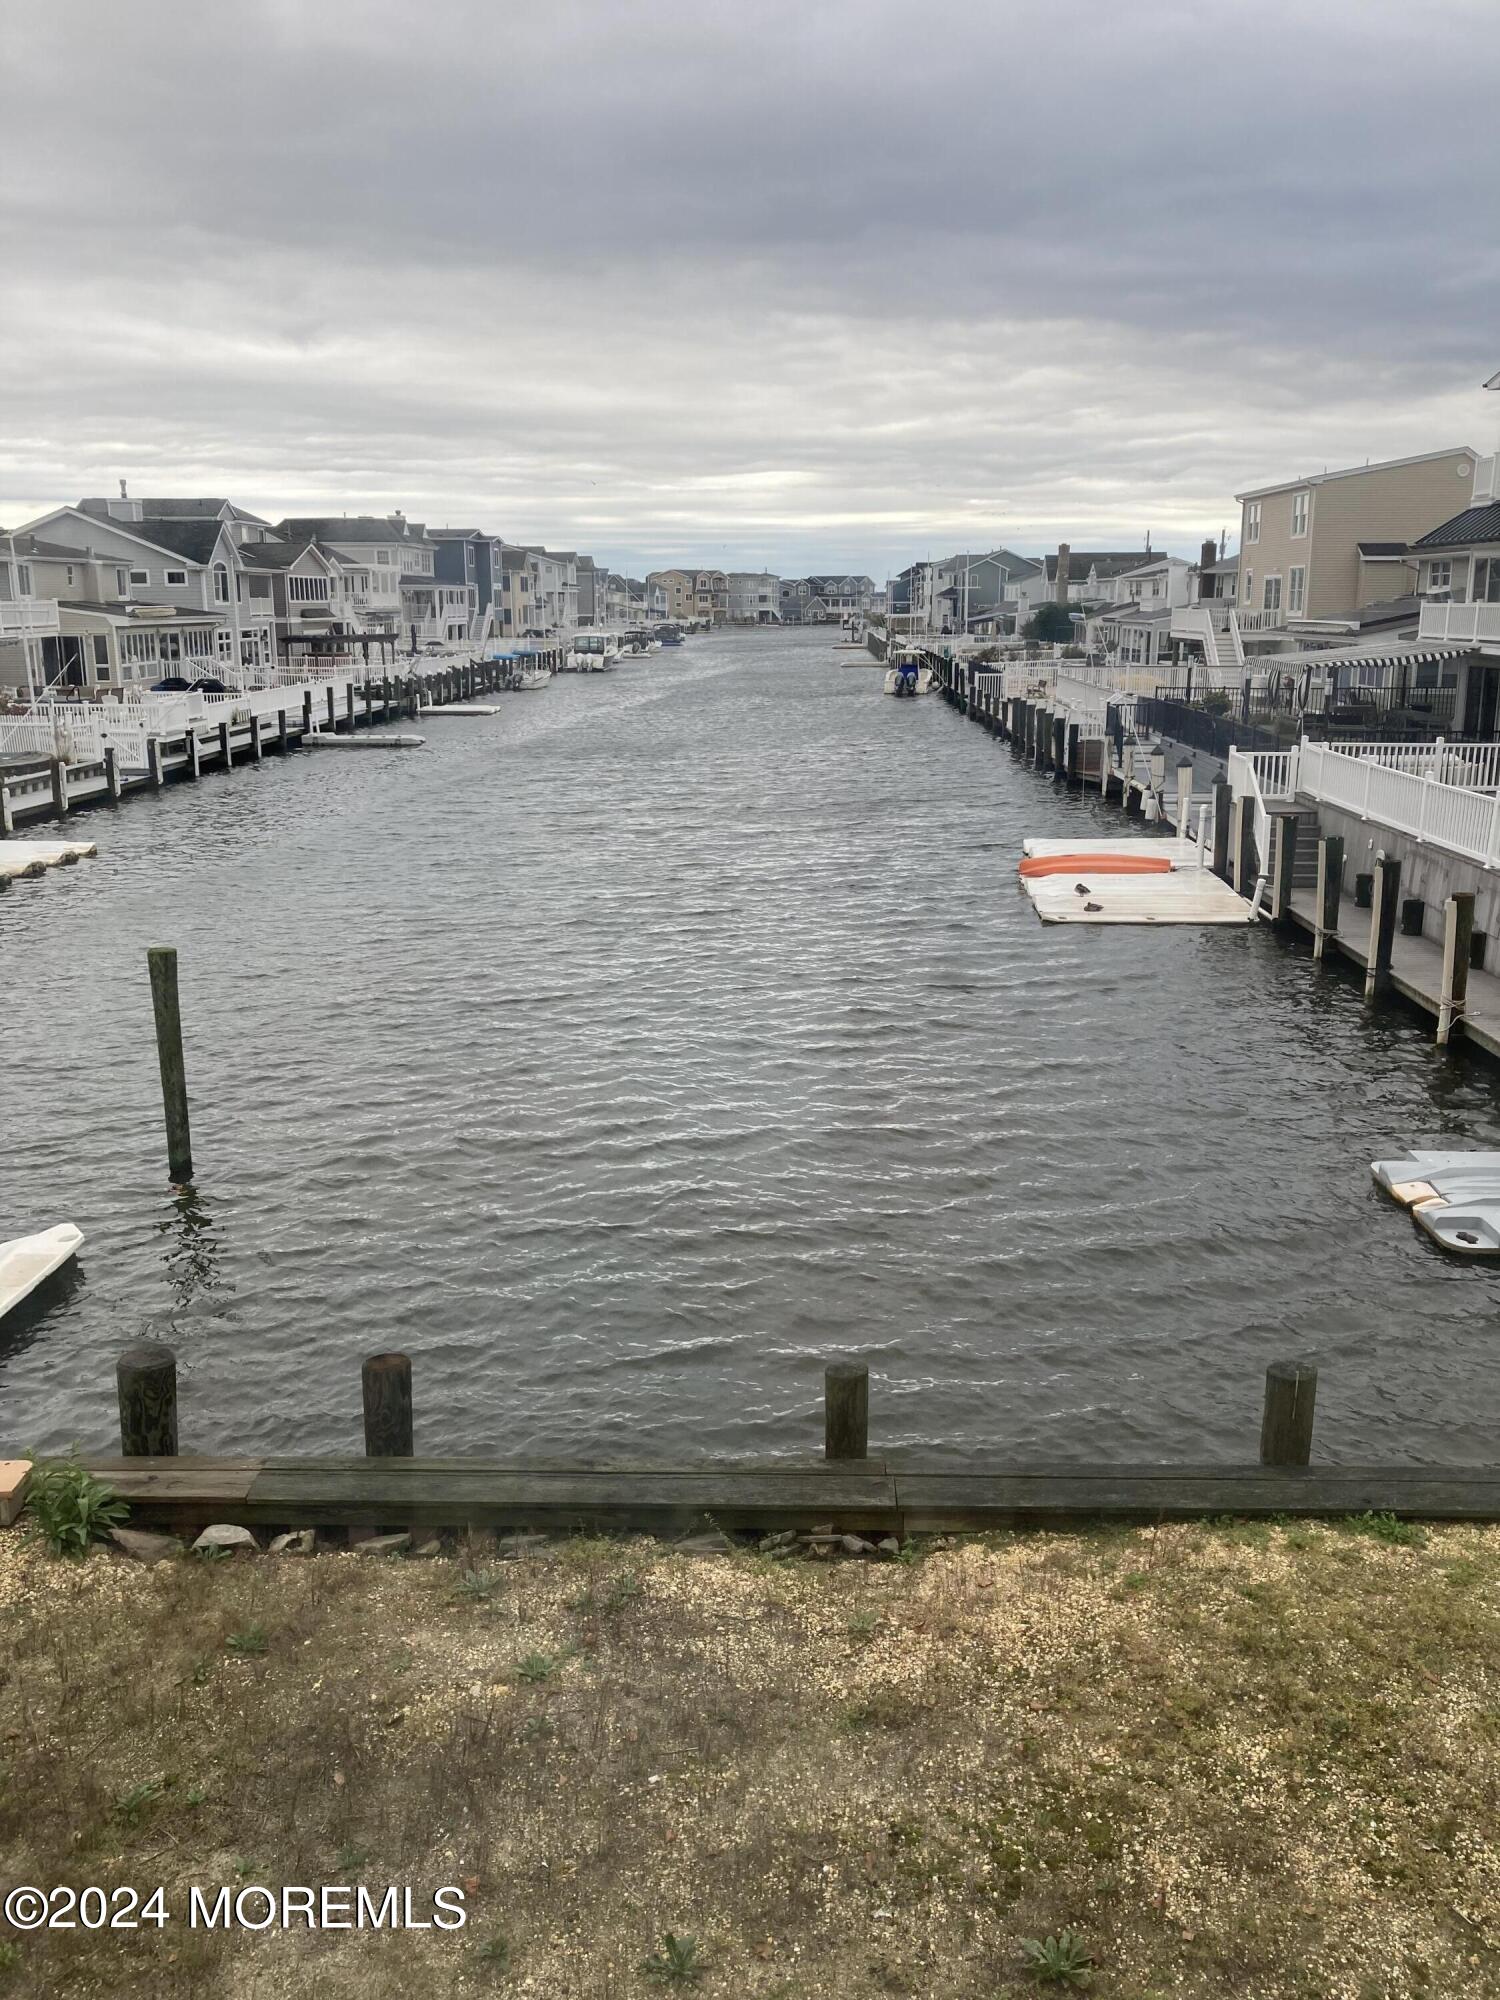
(383, 1545)
(144, 1547)
(227, 1535)
(295, 1542)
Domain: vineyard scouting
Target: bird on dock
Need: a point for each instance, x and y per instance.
(1080, 888)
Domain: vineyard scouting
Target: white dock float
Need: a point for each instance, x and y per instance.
(317, 740)
(461, 708)
(1188, 895)
(30, 857)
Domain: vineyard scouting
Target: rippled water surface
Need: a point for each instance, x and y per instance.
(627, 1055)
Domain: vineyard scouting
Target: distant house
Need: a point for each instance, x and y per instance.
(753, 597)
(825, 599)
(469, 557)
(698, 594)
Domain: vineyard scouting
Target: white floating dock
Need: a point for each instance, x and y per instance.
(30, 857)
(461, 708)
(316, 740)
(1188, 895)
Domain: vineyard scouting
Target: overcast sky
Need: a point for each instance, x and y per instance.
(804, 285)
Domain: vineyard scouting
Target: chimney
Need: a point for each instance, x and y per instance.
(123, 494)
(1063, 553)
(1208, 554)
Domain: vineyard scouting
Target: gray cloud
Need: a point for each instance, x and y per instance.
(757, 284)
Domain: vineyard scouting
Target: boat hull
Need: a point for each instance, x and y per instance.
(28, 1261)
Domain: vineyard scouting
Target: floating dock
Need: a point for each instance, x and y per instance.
(1186, 894)
(31, 857)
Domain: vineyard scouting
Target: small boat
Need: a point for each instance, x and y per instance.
(909, 674)
(594, 652)
(26, 1261)
(1452, 1197)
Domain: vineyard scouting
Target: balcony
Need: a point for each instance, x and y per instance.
(28, 618)
(1261, 621)
(1469, 624)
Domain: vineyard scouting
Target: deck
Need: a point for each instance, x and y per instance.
(1189, 895)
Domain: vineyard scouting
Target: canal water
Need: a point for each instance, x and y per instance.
(628, 1055)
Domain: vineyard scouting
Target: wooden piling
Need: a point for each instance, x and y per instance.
(146, 1386)
(112, 773)
(369, 694)
(59, 787)
(1458, 936)
(162, 961)
(1184, 795)
(281, 731)
(7, 814)
(846, 1410)
(194, 752)
(225, 751)
(1073, 773)
(1286, 861)
(386, 1383)
(333, 720)
(1330, 890)
(1383, 905)
(153, 763)
(1060, 746)
(1223, 798)
(255, 749)
(1246, 861)
(307, 708)
(1286, 1425)
(349, 707)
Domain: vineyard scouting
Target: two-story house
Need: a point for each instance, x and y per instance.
(29, 625)
(1326, 545)
(701, 594)
(470, 559)
(753, 597)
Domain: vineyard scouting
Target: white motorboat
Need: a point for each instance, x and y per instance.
(909, 674)
(595, 652)
(1452, 1197)
(26, 1261)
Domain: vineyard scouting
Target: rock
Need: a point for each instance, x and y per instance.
(431, 1547)
(889, 1546)
(822, 1532)
(778, 1544)
(714, 1543)
(383, 1545)
(143, 1547)
(856, 1545)
(227, 1535)
(295, 1542)
(518, 1544)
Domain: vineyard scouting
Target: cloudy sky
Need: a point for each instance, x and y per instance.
(793, 283)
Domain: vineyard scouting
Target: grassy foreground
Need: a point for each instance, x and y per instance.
(1233, 1760)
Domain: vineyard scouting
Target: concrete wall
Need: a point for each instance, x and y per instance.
(1426, 871)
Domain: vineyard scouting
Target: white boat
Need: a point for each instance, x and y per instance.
(594, 652)
(1453, 1197)
(25, 1261)
(909, 674)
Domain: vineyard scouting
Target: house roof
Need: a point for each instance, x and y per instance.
(143, 614)
(1102, 562)
(1369, 617)
(1225, 566)
(209, 509)
(345, 528)
(1474, 524)
(279, 555)
(194, 539)
(1357, 471)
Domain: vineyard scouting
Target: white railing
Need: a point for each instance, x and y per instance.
(1213, 626)
(1474, 766)
(77, 732)
(1254, 774)
(1473, 624)
(1461, 818)
(1260, 621)
(28, 617)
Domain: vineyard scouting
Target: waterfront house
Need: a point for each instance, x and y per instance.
(753, 597)
(371, 545)
(468, 558)
(701, 594)
(29, 624)
(593, 591)
(976, 599)
(1323, 545)
(141, 598)
(310, 593)
(1080, 578)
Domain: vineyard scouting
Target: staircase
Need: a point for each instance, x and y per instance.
(1223, 647)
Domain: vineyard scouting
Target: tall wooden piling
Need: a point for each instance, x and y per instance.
(1246, 860)
(333, 720)
(1059, 746)
(307, 715)
(153, 763)
(1286, 1425)
(1073, 772)
(226, 752)
(1330, 890)
(7, 814)
(1458, 936)
(59, 772)
(349, 707)
(112, 773)
(386, 1383)
(1223, 798)
(1286, 860)
(255, 746)
(281, 731)
(146, 1387)
(1384, 903)
(846, 1410)
(162, 961)
(1184, 795)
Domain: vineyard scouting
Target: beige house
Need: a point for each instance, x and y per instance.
(694, 593)
(1333, 542)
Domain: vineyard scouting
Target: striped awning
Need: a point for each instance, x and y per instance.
(1394, 653)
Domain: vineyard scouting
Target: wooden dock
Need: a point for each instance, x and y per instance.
(245, 732)
(873, 1497)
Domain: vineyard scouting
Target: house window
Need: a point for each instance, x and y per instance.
(1487, 580)
(1440, 576)
(1252, 521)
(176, 577)
(226, 643)
(1249, 597)
(1296, 590)
(221, 583)
(102, 673)
(383, 556)
(23, 579)
(101, 649)
(1272, 601)
(122, 582)
(1300, 504)
(140, 576)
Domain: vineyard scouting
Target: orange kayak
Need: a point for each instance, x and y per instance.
(1096, 864)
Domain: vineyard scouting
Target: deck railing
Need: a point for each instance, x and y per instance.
(1463, 818)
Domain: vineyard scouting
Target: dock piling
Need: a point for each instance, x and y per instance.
(1458, 938)
(1286, 1424)
(1330, 890)
(1223, 798)
(146, 1386)
(112, 773)
(386, 1384)
(1286, 861)
(1383, 906)
(162, 961)
(846, 1410)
